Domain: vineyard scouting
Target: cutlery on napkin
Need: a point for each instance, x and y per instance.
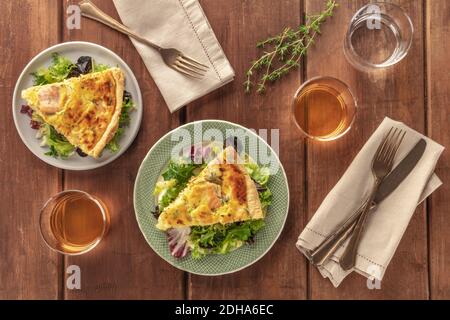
(333, 241)
(385, 225)
(181, 24)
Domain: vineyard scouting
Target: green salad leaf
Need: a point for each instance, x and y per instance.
(179, 173)
(113, 144)
(169, 195)
(127, 107)
(257, 173)
(266, 198)
(124, 121)
(261, 175)
(100, 67)
(59, 70)
(58, 144)
(222, 239)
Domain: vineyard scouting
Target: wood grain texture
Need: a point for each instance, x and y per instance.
(416, 91)
(239, 25)
(398, 93)
(438, 48)
(28, 270)
(123, 266)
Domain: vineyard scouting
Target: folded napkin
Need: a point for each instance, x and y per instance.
(179, 24)
(386, 224)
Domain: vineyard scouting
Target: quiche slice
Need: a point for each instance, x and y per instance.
(84, 109)
(222, 193)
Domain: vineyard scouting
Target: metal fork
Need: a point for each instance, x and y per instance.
(331, 243)
(382, 163)
(172, 57)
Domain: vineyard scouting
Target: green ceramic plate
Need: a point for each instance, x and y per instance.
(153, 165)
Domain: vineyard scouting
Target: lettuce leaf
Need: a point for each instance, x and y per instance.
(257, 173)
(124, 121)
(266, 198)
(169, 195)
(59, 70)
(222, 239)
(113, 144)
(100, 67)
(179, 174)
(58, 144)
(260, 175)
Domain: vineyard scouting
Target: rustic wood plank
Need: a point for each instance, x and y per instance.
(397, 93)
(124, 266)
(238, 26)
(28, 269)
(438, 16)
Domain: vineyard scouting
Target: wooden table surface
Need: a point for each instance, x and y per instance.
(416, 91)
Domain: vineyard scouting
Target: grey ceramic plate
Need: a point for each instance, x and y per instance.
(144, 203)
(73, 50)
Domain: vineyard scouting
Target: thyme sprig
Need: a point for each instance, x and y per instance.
(286, 50)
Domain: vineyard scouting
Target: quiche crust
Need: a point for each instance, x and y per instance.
(114, 123)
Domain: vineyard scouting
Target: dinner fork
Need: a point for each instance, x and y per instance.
(382, 163)
(330, 244)
(172, 57)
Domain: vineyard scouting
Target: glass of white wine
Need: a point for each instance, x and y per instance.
(73, 222)
(324, 108)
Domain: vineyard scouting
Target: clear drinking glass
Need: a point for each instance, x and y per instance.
(73, 222)
(324, 108)
(379, 35)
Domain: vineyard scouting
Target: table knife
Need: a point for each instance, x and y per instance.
(319, 255)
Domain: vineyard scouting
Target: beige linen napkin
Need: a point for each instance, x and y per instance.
(179, 24)
(387, 223)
